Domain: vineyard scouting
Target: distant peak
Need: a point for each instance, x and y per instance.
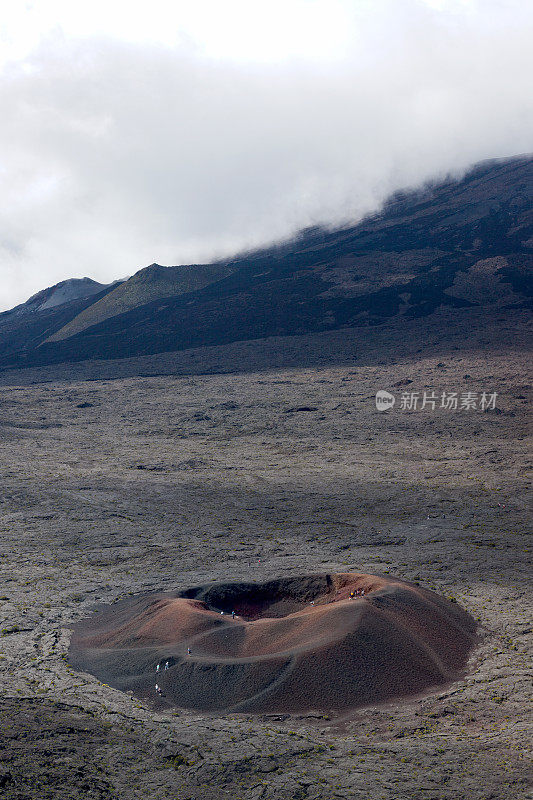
(60, 293)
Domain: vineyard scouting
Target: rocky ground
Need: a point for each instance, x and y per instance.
(112, 487)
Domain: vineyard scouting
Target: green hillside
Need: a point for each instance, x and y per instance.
(151, 283)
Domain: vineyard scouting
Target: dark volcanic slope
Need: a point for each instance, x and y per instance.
(24, 328)
(149, 284)
(324, 642)
(459, 243)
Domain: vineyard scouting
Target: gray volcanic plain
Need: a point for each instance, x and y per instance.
(249, 463)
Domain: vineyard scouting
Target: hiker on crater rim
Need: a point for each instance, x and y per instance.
(167, 665)
(189, 651)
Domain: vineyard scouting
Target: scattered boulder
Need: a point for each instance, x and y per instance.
(403, 382)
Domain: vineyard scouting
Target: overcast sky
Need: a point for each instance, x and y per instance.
(176, 131)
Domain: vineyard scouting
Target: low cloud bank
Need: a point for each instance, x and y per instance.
(116, 154)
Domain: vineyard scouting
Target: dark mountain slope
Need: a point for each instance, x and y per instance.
(458, 243)
(150, 283)
(75, 304)
(22, 331)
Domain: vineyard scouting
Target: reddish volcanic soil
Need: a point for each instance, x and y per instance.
(321, 642)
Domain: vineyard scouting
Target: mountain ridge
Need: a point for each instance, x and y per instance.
(147, 284)
(457, 243)
(58, 294)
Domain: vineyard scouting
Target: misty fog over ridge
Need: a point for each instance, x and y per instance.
(119, 153)
(317, 229)
(456, 246)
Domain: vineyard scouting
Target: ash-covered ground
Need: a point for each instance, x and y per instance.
(113, 487)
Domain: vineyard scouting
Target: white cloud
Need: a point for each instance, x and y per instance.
(172, 142)
(238, 30)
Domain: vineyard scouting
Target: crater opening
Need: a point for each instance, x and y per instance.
(276, 598)
(326, 642)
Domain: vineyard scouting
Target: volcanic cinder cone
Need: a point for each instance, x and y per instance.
(321, 642)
